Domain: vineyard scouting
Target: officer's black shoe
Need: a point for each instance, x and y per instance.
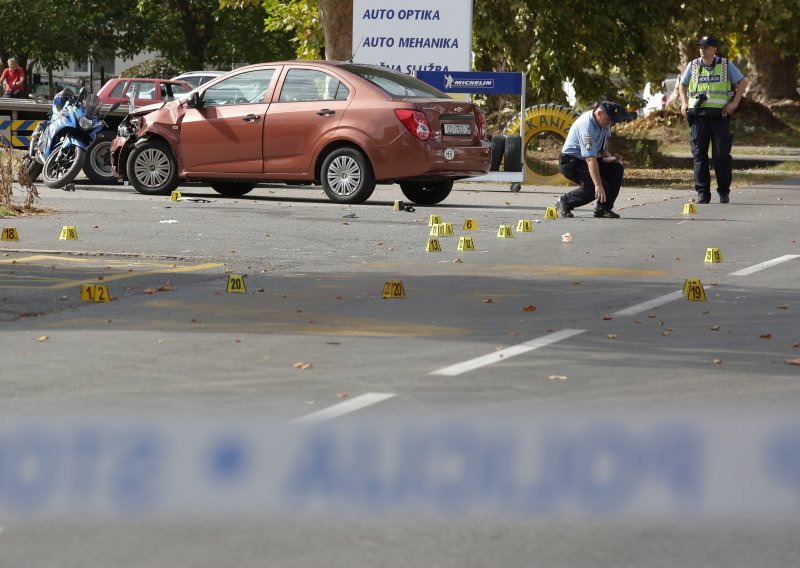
(704, 198)
(724, 198)
(563, 210)
(605, 213)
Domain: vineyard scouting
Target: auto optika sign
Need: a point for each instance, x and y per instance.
(413, 35)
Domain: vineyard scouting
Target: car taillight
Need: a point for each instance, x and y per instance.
(415, 121)
(663, 101)
(481, 124)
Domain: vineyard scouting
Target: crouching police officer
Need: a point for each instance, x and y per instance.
(585, 159)
(710, 90)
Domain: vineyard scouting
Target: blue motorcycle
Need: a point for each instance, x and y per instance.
(58, 147)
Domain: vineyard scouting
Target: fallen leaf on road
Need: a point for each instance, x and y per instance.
(237, 340)
(557, 377)
(637, 321)
(302, 366)
(651, 316)
(717, 361)
(43, 338)
(714, 328)
(766, 336)
(166, 287)
(342, 395)
(793, 361)
(487, 301)
(606, 318)
(782, 307)
(795, 345)
(705, 313)
(665, 333)
(530, 308)
(612, 335)
(149, 290)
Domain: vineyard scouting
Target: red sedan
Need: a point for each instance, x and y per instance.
(347, 126)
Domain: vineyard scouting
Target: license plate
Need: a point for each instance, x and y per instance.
(458, 129)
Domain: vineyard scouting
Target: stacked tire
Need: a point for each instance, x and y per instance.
(506, 150)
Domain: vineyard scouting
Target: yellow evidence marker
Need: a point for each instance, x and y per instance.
(10, 234)
(465, 243)
(175, 196)
(524, 226)
(93, 293)
(689, 209)
(713, 255)
(434, 220)
(504, 232)
(68, 233)
(236, 284)
(470, 225)
(448, 229)
(398, 205)
(693, 290)
(550, 213)
(433, 246)
(438, 230)
(393, 289)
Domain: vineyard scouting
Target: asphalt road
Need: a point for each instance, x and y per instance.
(530, 325)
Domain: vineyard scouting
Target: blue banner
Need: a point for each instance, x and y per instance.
(473, 82)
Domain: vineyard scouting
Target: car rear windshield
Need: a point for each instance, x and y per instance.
(395, 84)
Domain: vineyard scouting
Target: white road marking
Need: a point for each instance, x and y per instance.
(484, 360)
(654, 303)
(763, 265)
(342, 408)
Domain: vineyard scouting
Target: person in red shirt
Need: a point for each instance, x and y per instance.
(13, 80)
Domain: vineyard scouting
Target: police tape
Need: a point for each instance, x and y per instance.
(693, 467)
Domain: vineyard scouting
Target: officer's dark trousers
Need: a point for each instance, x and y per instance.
(717, 131)
(576, 170)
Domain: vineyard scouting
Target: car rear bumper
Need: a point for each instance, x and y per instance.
(412, 159)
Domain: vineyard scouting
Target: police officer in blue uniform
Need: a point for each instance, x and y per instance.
(710, 90)
(586, 159)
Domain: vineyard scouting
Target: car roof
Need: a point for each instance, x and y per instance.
(194, 73)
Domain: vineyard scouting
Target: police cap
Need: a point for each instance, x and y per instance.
(708, 41)
(613, 110)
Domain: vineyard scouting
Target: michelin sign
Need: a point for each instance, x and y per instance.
(413, 35)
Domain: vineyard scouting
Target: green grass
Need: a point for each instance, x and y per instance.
(7, 212)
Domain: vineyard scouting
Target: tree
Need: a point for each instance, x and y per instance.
(50, 34)
(208, 34)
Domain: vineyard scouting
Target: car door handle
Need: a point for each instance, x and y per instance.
(326, 112)
(250, 117)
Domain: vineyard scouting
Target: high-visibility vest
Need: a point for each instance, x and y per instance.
(714, 82)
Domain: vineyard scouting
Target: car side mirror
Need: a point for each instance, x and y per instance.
(195, 100)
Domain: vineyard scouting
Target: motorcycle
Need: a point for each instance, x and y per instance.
(58, 147)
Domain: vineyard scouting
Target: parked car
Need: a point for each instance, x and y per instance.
(657, 99)
(146, 91)
(197, 78)
(347, 126)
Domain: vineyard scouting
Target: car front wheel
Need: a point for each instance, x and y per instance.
(152, 168)
(347, 176)
(427, 193)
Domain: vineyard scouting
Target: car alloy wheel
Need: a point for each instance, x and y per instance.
(152, 169)
(347, 176)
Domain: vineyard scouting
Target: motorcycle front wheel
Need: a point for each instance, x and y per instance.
(63, 165)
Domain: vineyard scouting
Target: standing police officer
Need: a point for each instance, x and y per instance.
(715, 87)
(585, 159)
